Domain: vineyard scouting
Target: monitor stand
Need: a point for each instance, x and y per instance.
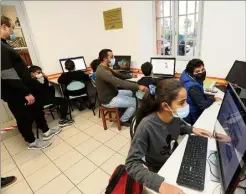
(213, 164)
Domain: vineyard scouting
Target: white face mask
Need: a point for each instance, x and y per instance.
(40, 78)
(181, 112)
(112, 62)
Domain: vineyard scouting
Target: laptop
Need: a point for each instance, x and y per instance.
(163, 67)
(78, 61)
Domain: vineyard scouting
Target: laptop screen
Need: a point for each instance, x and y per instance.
(79, 63)
(163, 66)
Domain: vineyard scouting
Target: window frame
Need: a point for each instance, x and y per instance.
(174, 12)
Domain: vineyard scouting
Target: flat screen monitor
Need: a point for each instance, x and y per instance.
(122, 63)
(163, 66)
(78, 61)
(237, 74)
(230, 128)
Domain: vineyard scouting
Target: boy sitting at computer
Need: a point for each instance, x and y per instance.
(48, 96)
(94, 64)
(147, 79)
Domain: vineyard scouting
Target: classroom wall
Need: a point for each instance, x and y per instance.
(73, 28)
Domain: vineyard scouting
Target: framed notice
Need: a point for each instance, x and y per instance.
(113, 19)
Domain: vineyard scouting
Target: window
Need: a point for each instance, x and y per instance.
(178, 27)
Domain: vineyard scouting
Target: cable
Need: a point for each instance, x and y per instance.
(214, 153)
(211, 170)
(243, 178)
(216, 188)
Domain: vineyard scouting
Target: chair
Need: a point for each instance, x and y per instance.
(97, 101)
(52, 108)
(133, 128)
(108, 112)
(74, 86)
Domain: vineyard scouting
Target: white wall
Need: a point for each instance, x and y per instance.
(72, 28)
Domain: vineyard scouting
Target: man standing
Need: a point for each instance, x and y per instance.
(107, 82)
(19, 89)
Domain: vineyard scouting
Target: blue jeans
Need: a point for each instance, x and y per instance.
(124, 99)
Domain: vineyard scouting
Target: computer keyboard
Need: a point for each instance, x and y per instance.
(193, 166)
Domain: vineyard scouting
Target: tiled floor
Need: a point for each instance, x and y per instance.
(79, 161)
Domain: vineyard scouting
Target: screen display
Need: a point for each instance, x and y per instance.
(79, 63)
(122, 63)
(231, 135)
(237, 74)
(163, 66)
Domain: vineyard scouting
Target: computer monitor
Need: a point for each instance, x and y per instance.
(163, 66)
(78, 61)
(122, 63)
(237, 74)
(230, 128)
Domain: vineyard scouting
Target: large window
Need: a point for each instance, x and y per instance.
(178, 28)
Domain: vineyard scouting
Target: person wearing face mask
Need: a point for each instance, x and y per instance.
(192, 78)
(107, 84)
(49, 97)
(159, 124)
(20, 91)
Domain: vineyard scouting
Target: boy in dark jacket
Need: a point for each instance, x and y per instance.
(147, 79)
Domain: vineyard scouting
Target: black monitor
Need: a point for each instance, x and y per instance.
(163, 66)
(122, 63)
(78, 61)
(231, 125)
(237, 74)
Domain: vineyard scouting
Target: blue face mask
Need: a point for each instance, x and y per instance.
(182, 112)
(13, 36)
(112, 62)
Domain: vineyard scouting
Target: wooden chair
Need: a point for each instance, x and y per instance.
(108, 112)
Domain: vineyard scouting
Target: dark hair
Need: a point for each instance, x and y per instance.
(104, 54)
(166, 91)
(5, 20)
(69, 65)
(147, 68)
(192, 64)
(33, 69)
(94, 64)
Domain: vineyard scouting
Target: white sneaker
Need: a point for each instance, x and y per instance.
(39, 144)
(51, 133)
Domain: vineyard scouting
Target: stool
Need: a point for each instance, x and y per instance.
(108, 111)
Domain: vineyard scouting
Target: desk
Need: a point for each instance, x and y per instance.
(170, 169)
(135, 79)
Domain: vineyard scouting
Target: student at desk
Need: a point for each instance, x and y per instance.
(192, 78)
(147, 79)
(94, 64)
(157, 132)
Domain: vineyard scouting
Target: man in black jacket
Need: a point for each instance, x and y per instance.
(19, 89)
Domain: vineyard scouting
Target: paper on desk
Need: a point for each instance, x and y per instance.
(208, 83)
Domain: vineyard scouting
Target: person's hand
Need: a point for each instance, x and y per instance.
(30, 99)
(134, 75)
(202, 132)
(166, 188)
(143, 88)
(45, 76)
(223, 138)
(217, 99)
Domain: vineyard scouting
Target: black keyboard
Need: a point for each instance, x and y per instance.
(193, 166)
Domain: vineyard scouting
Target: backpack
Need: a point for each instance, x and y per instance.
(121, 183)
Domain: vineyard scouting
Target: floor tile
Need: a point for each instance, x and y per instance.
(88, 146)
(75, 190)
(110, 165)
(4, 153)
(126, 133)
(117, 142)
(15, 144)
(59, 185)
(96, 119)
(55, 141)
(94, 130)
(26, 155)
(58, 150)
(34, 164)
(100, 155)
(87, 114)
(43, 176)
(83, 124)
(20, 188)
(105, 135)
(68, 159)
(7, 165)
(124, 151)
(69, 132)
(14, 172)
(78, 139)
(87, 186)
(80, 170)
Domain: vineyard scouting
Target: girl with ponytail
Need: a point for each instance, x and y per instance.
(158, 127)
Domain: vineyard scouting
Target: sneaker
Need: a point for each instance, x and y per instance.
(7, 181)
(126, 124)
(51, 133)
(39, 144)
(65, 122)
